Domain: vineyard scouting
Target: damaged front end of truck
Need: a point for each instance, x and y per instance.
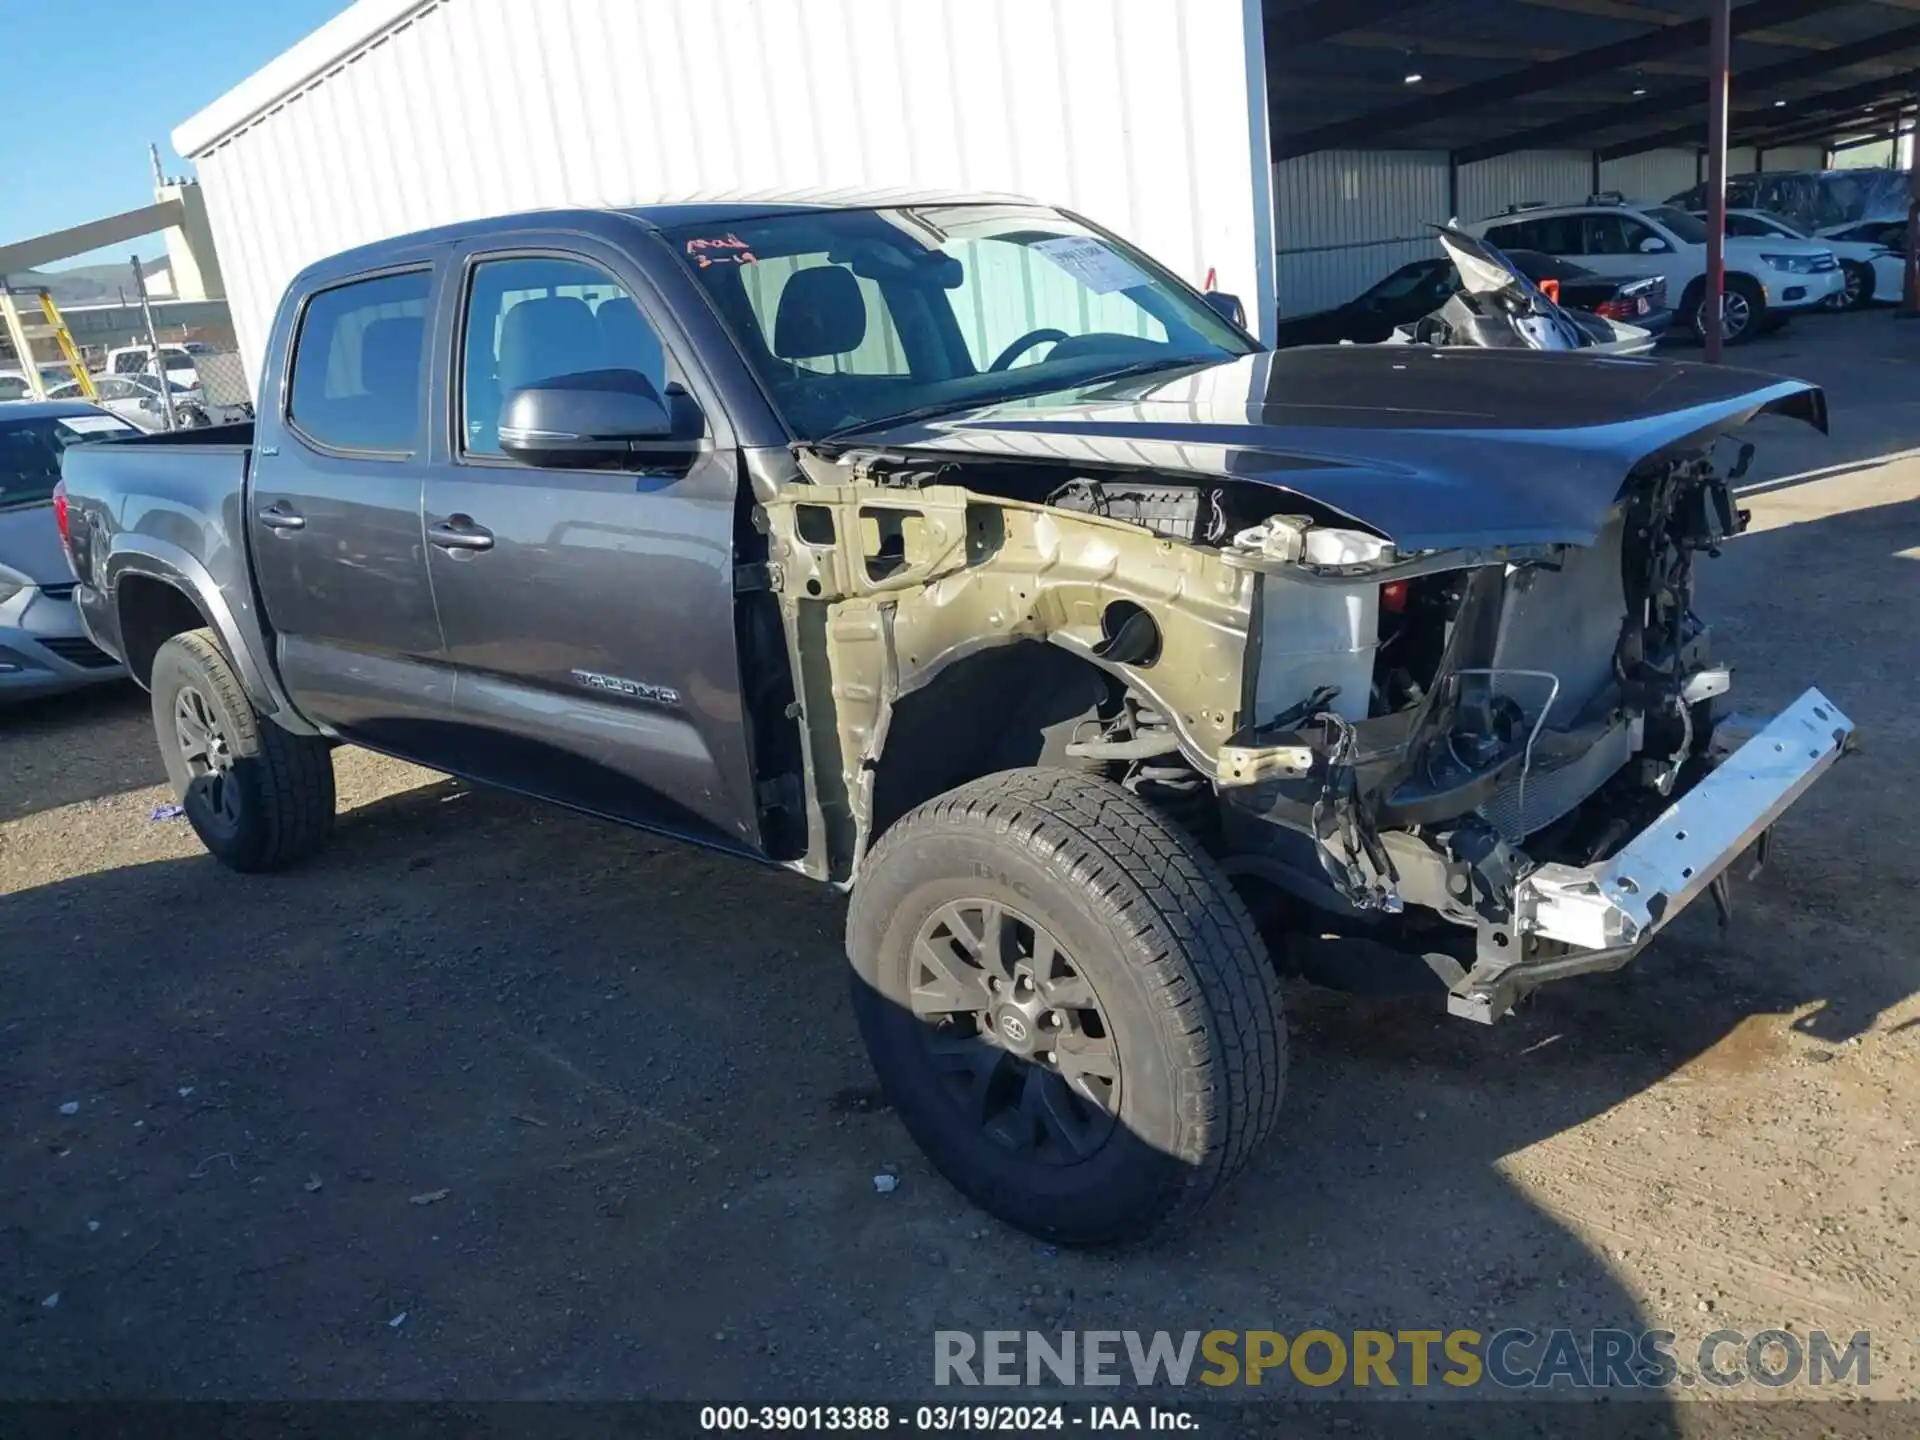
(1430, 686)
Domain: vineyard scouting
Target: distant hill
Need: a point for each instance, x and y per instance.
(84, 284)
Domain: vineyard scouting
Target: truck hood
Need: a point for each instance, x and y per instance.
(1434, 449)
(30, 544)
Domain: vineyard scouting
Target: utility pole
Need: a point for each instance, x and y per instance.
(1719, 71)
(153, 340)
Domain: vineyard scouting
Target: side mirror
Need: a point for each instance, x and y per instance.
(598, 419)
(1227, 307)
(1654, 245)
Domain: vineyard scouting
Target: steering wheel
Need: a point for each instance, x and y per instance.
(1025, 343)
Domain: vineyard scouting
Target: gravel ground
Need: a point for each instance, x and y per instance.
(494, 1101)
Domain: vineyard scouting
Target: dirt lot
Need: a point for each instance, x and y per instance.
(497, 1101)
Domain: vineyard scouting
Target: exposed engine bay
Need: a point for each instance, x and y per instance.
(1436, 749)
(1497, 307)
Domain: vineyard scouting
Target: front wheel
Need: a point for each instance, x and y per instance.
(259, 797)
(1743, 311)
(1858, 293)
(1066, 1003)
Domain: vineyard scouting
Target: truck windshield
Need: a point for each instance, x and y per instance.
(30, 451)
(853, 317)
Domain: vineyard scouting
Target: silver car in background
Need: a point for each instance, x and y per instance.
(43, 648)
(136, 399)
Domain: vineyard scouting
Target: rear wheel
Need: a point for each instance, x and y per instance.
(1066, 1003)
(259, 797)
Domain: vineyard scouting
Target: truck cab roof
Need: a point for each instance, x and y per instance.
(663, 215)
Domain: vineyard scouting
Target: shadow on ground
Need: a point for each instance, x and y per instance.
(111, 751)
(495, 1101)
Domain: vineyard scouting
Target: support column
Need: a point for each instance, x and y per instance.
(1719, 70)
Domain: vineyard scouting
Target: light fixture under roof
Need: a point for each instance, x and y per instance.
(1779, 104)
(1413, 78)
(1641, 91)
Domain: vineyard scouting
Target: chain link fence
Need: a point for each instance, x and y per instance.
(223, 379)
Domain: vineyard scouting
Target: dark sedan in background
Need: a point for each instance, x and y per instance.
(1416, 290)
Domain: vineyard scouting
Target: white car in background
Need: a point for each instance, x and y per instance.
(180, 361)
(1872, 270)
(14, 386)
(136, 399)
(1767, 280)
(1889, 231)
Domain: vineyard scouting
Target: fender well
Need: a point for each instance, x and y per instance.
(151, 612)
(902, 603)
(145, 570)
(999, 709)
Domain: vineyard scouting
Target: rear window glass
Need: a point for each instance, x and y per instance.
(1549, 234)
(1686, 229)
(357, 364)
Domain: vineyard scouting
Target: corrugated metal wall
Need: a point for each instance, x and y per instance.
(1796, 157)
(1654, 176)
(1131, 111)
(1552, 177)
(1345, 218)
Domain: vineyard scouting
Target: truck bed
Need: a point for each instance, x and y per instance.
(153, 483)
(206, 437)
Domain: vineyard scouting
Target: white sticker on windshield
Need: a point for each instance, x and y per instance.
(1091, 263)
(94, 424)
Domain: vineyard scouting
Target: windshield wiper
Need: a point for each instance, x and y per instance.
(904, 417)
(1145, 367)
(933, 411)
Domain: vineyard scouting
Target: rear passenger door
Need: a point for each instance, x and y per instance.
(334, 516)
(1613, 242)
(588, 614)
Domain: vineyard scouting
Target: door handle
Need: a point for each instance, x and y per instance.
(276, 518)
(458, 532)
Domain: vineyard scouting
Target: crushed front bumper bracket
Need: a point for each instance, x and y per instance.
(1606, 912)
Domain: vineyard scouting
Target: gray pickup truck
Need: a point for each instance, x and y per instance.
(953, 552)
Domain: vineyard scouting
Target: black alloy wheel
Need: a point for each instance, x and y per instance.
(1015, 1031)
(207, 754)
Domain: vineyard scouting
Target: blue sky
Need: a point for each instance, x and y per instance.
(90, 82)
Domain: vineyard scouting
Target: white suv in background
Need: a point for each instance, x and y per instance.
(1767, 279)
(1872, 271)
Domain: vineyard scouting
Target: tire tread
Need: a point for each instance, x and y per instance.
(1207, 970)
(295, 772)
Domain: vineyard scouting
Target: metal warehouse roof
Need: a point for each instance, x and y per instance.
(1615, 76)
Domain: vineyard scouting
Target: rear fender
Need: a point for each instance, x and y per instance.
(239, 632)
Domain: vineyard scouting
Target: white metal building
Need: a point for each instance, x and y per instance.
(1292, 151)
(404, 114)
